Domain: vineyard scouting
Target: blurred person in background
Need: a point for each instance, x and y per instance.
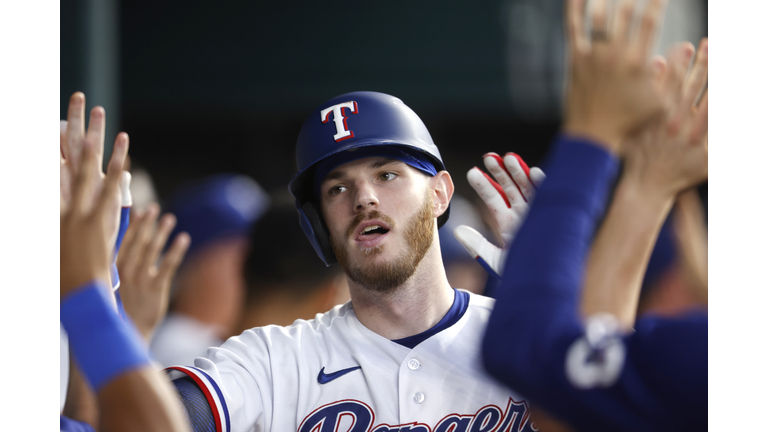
(206, 301)
(143, 189)
(285, 280)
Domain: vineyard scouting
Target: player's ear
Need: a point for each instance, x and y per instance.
(441, 186)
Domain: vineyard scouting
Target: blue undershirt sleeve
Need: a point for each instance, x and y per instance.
(66, 424)
(196, 408)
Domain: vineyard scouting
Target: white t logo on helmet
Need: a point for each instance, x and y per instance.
(339, 119)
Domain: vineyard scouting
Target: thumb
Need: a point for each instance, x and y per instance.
(659, 69)
(480, 249)
(62, 138)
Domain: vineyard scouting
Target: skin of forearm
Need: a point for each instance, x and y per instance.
(691, 231)
(621, 251)
(81, 404)
(140, 400)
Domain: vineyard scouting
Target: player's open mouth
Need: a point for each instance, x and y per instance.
(370, 233)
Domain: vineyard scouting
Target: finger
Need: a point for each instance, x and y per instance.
(659, 69)
(96, 130)
(64, 189)
(520, 173)
(141, 238)
(679, 57)
(173, 258)
(129, 239)
(623, 20)
(649, 26)
(65, 174)
(521, 163)
(134, 261)
(147, 228)
(111, 186)
(700, 123)
(697, 78)
(599, 13)
(479, 247)
(575, 25)
(704, 96)
(85, 184)
(119, 155)
(495, 166)
(75, 129)
(537, 176)
(63, 139)
(679, 60)
(489, 191)
(154, 247)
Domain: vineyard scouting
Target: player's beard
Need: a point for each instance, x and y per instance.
(386, 277)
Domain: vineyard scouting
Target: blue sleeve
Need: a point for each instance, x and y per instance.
(198, 412)
(66, 424)
(536, 342)
(125, 219)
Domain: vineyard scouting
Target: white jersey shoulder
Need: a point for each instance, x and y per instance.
(332, 373)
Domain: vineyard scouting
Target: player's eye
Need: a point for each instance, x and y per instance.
(335, 190)
(387, 176)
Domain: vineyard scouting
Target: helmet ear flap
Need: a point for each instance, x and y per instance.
(314, 227)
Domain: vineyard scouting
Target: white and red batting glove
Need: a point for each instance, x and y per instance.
(507, 198)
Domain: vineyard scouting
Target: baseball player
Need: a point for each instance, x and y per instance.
(217, 211)
(596, 374)
(404, 353)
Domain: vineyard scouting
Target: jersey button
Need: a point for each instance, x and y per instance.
(419, 397)
(413, 364)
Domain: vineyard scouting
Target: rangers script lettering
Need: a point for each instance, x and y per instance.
(356, 416)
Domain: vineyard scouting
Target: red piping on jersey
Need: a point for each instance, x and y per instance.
(206, 392)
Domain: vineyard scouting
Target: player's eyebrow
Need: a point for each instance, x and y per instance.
(383, 162)
(335, 175)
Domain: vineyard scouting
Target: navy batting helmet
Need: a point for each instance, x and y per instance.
(345, 123)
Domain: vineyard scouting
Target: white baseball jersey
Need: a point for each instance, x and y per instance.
(333, 374)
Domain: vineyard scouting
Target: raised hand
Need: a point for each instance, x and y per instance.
(671, 154)
(73, 140)
(611, 90)
(86, 230)
(507, 199)
(145, 282)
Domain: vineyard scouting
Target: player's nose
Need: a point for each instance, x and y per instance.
(365, 197)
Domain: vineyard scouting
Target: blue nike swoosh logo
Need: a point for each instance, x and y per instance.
(324, 378)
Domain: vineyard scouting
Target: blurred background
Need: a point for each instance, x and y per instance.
(204, 87)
